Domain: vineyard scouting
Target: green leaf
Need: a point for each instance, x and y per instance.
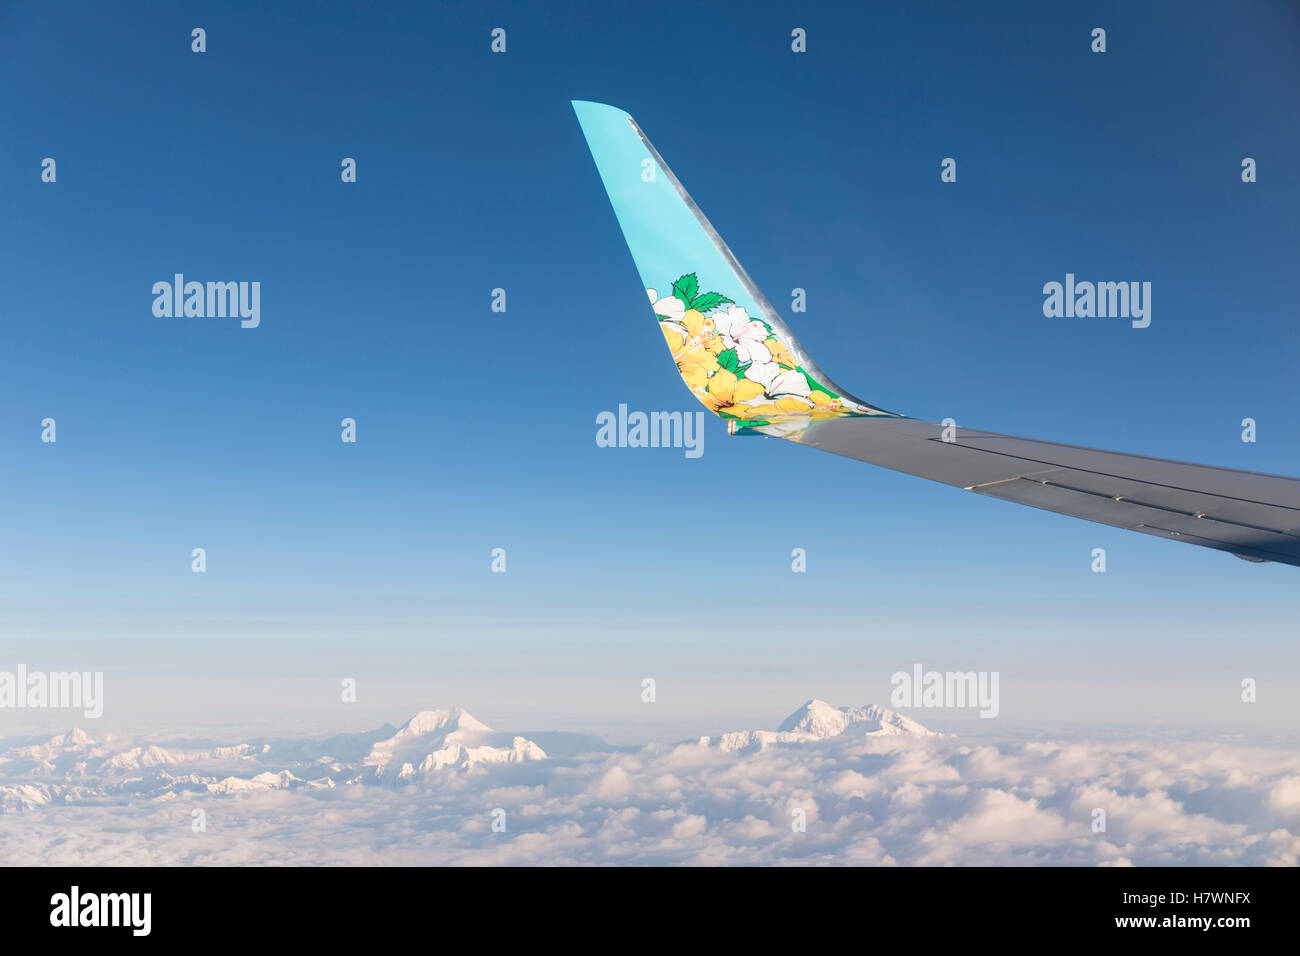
(814, 384)
(687, 287)
(729, 361)
(708, 300)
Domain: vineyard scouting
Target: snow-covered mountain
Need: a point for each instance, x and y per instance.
(284, 780)
(427, 731)
(436, 740)
(821, 720)
(78, 754)
(818, 720)
(77, 768)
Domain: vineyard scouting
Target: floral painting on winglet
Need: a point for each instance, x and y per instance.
(737, 365)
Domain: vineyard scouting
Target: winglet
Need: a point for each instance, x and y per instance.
(732, 349)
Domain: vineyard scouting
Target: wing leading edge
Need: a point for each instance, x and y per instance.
(738, 357)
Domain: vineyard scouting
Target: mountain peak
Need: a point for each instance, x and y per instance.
(76, 737)
(819, 719)
(443, 721)
(435, 739)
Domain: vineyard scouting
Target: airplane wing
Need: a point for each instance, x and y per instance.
(738, 357)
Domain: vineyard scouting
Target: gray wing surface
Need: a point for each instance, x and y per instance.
(1254, 516)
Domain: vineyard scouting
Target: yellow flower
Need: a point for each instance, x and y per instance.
(820, 399)
(792, 403)
(696, 354)
(673, 336)
(722, 385)
(693, 374)
(780, 353)
(700, 335)
(746, 390)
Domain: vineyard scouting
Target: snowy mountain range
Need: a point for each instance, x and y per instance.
(77, 768)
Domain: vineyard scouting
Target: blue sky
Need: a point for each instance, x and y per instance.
(476, 429)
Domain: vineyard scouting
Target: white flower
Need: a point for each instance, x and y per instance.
(731, 322)
(789, 382)
(743, 334)
(751, 349)
(670, 307)
(762, 372)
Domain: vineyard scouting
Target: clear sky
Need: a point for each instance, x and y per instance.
(476, 429)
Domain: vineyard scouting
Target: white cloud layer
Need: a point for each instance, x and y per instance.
(872, 787)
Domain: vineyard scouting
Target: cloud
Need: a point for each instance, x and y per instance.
(864, 798)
